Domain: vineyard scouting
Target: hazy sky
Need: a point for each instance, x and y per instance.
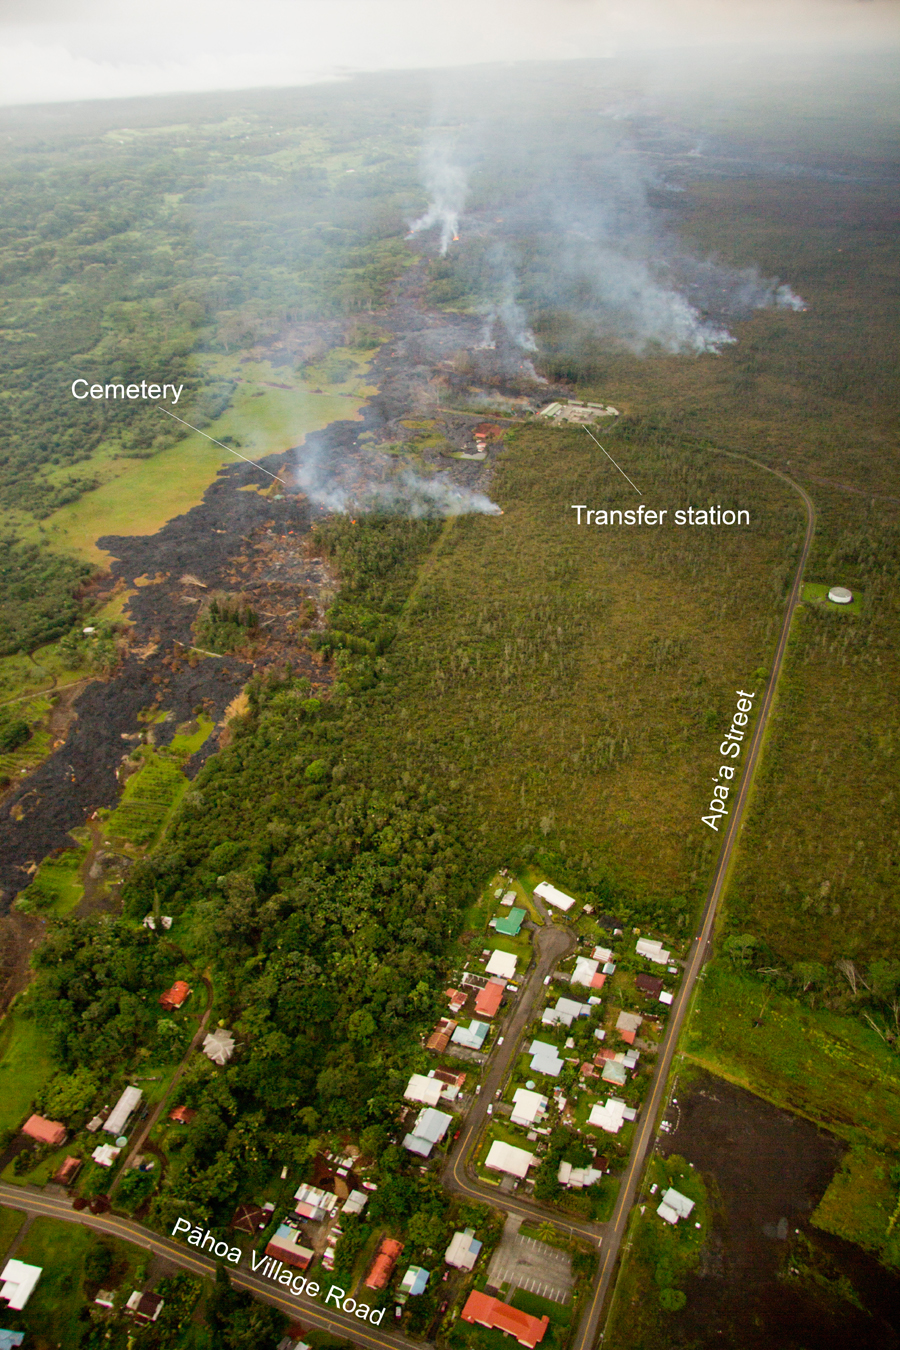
(58, 50)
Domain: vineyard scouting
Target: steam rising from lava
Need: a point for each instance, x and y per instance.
(447, 185)
(344, 488)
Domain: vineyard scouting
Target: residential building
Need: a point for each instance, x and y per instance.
(551, 896)
(614, 1073)
(674, 1206)
(68, 1171)
(586, 971)
(648, 984)
(422, 1089)
(429, 1129)
(502, 964)
(488, 999)
(510, 925)
(219, 1046)
(355, 1203)
(127, 1104)
(565, 1012)
(473, 1036)
(491, 1313)
(17, 1282)
(611, 1116)
(628, 1025)
(576, 1178)
(440, 1037)
(182, 1115)
(545, 1058)
(386, 1258)
(413, 1283)
(464, 1250)
(105, 1154)
(144, 1308)
(45, 1131)
(652, 950)
(285, 1245)
(312, 1203)
(506, 1158)
(457, 999)
(528, 1108)
(175, 997)
(11, 1340)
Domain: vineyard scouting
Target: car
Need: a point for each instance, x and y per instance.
(546, 979)
(498, 1093)
(490, 1109)
(477, 1089)
(499, 1040)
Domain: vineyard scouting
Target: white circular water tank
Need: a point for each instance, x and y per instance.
(839, 595)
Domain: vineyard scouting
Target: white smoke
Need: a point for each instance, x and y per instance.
(402, 492)
(448, 187)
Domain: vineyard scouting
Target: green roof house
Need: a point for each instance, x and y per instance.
(510, 923)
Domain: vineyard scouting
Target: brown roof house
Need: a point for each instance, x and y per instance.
(176, 996)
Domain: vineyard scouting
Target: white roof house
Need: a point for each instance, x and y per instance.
(219, 1046)
(585, 970)
(602, 953)
(674, 1206)
(630, 1022)
(576, 1178)
(503, 964)
(18, 1284)
(565, 1012)
(105, 1154)
(429, 1129)
(505, 1158)
(558, 899)
(528, 1107)
(653, 951)
(124, 1107)
(422, 1089)
(463, 1250)
(545, 1058)
(608, 1117)
(666, 997)
(355, 1203)
(473, 1036)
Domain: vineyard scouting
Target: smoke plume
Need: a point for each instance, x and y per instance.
(360, 486)
(447, 186)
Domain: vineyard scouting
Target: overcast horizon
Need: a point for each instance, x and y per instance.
(76, 50)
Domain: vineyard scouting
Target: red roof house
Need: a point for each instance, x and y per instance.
(488, 999)
(383, 1265)
(69, 1170)
(45, 1131)
(182, 1115)
(173, 998)
(490, 1312)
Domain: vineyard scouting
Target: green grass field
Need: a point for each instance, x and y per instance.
(861, 1204)
(832, 1070)
(25, 1065)
(11, 1221)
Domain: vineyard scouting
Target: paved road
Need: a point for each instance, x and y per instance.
(310, 1312)
(553, 944)
(650, 1113)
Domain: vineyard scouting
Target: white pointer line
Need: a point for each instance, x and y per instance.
(228, 447)
(606, 453)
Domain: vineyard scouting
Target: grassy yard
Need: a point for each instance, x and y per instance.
(11, 1221)
(861, 1203)
(25, 1065)
(830, 1069)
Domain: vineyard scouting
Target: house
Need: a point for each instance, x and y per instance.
(422, 1089)
(611, 1116)
(505, 1158)
(528, 1108)
(614, 1073)
(545, 1058)
(576, 1178)
(628, 1025)
(674, 1206)
(456, 999)
(653, 951)
(219, 1046)
(585, 971)
(452, 1082)
(440, 1037)
(182, 1115)
(45, 1131)
(144, 1308)
(558, 899)
(105, 1155)
(355, 1203)
(666, 998)
(463, 1251)
(176, 996)
(510, 925)
(602, 954)
(127, 1104)
(313, 1203)
(565, 1012)
(285, 1245)
(502, 964)
(386, 1258)
(68, 1172)
(648, 984)
(473, 1036)
(413, 1283)
(488, 999)
(491, 1313)
(11, 1340)
(18, 1281)
(429, 1129)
